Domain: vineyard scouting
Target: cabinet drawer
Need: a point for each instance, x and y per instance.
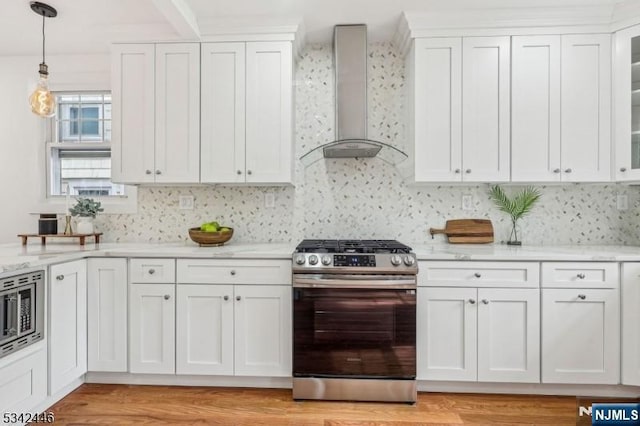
(580, 274)
(152, 271)
(234, 271)
(479, 274)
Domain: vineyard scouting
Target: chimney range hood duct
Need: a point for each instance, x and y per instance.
(350, 62)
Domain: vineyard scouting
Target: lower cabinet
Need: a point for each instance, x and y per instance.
(67, 323)
(107, 314)
(242, 330)
(478, 334)
(630, 324)
(23, 383)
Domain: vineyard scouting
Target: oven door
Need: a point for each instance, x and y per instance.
(8, 315)
(346, 328)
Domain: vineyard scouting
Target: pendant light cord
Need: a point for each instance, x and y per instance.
(43, 38)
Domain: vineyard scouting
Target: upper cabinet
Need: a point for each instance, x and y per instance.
(560, 117)
(247, 112)
(459, 103)
(203, 112)
(627, 104)
(156, 113)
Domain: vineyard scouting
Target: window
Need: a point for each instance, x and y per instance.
(79, 146)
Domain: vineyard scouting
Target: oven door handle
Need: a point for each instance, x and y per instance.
(354, 281)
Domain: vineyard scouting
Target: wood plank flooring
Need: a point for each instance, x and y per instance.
(97, 404)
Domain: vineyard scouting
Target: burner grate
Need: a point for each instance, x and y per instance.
(352, 246)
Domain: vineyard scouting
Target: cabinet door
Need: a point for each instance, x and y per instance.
(152, 328)
(630, 324)
(23, 384)
(177, 104)
(535, 109)
(204, 329)
(262, 330)
(580, 336)
(437, 109)
(107, 314)
(626, 105)
(485, 109)
(446, 334)
(586, 108)
(269, 137)
(67, 323)
(133, 112)
(223, 113)
(509, 335)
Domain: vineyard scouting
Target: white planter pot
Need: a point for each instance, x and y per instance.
(84, 225)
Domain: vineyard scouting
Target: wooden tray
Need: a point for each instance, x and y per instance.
(43, 237)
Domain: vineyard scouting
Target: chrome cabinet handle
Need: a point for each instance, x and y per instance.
(485, 301)
(472, 301)
(60, 277)
(477, 275)
(248, 172)
(238, 298)
(152, 271)
(568, 170)
(158, 172)
(556, 170)
(167, 297)
(582, 296)
(233, 272)
(148, 172)
(581, 276)
(457, 171)
(226, 297)
(623, 169)
(467, 171)
(239, 172)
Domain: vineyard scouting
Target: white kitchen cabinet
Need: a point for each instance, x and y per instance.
(580, 336)
(107, 314)
(156, 113)
(247, 112)
(459, 109)
(586, 108)
(508, 335)
(67, 323)
(626, 97)
(204, 329)
(630, 323)
(23, 383)
(152, 328)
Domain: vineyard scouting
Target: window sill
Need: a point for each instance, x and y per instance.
(111, 205)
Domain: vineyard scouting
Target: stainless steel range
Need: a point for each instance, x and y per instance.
(354, 320)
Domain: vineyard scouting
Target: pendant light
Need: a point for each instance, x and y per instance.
(41, 100)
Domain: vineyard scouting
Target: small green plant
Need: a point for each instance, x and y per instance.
(86, 207)
(517, 207)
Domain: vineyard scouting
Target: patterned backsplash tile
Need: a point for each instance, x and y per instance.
(367, 198)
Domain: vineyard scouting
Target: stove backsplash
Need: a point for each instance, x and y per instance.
(367, 198)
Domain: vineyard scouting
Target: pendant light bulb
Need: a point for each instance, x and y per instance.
(42, 101)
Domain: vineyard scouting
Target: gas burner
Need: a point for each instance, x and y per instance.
(352, 246)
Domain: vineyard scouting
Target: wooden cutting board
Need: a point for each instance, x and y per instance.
(467, 231)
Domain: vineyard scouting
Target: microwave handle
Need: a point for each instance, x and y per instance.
(12, 307)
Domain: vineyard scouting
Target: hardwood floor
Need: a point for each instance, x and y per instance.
(96, 404)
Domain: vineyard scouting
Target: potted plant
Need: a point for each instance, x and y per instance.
(516, 207)
(86, 209)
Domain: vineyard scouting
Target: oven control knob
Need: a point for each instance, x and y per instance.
(313, 259)
(395, 260)
(409, 260)
(326, 260)
(300, 259)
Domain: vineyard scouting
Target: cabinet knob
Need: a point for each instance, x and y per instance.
(581, 276)
(456, 171)
(582, 296)
(152, 271)
(167, 297)
(472, 301)
(477, 275)
(467, 171)
(556, 170)
(238, 298)
(568, 170)
(226, 297)
(239, 172)
(233, 272)
(60, 277)
(248, 172)
(623, 169)
(158, 172)
(148, 172)
(485, 301)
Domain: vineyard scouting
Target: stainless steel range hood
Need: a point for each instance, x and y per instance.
(350, 62)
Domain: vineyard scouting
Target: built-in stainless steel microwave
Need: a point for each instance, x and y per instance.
(21, 311)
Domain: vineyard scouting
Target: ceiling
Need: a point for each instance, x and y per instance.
(89, 26)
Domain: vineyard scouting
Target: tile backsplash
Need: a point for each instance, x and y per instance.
(367, 198)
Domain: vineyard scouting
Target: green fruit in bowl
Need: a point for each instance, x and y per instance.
(225, 230)
(208, 227)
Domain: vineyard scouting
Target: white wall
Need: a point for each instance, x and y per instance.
(22, 151)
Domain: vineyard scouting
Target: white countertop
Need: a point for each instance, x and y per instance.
(14, 257)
